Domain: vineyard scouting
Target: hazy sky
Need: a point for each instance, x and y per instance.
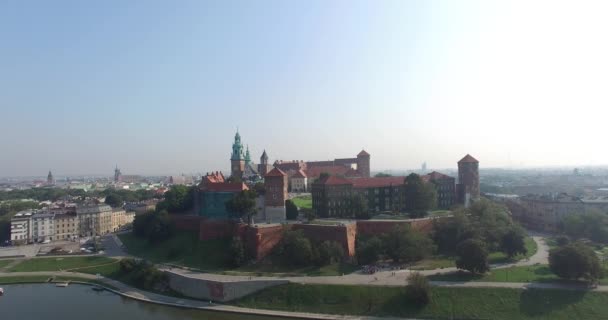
(161, 86)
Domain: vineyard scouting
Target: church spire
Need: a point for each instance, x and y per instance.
(247, 156)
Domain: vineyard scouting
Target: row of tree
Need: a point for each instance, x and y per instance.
(403, 244)
(591, 225)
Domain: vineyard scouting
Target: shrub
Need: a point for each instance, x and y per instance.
(291, 210)
(329, 252)
(472, 256)
(418, 288)
(237, 252)
(369, 251)
(575, 261)
(562, 241)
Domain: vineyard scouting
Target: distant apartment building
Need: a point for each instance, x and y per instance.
(121, 217)
(21, 232)
(546, 212)
(94, 220)
(142, 206)
(66, 226)
(43, 227)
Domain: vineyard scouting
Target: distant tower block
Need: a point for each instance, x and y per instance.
(424, 167)
(363, 164)
(468, 180)
(49, 178)
(117, 174)
(275, 183)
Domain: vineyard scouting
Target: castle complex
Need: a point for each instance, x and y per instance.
(332, 183)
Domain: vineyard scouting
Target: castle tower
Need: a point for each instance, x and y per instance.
(468, 180)
(117, 174)
(49, 179)
(247, 156)
(237, 160)
(263, 166)
(275, 184)
(363, 164)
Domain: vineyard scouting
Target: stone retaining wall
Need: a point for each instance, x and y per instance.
(217, 290)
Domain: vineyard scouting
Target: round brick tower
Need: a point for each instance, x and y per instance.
(363, 164)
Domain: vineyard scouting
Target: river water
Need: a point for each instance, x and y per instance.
(80, 302)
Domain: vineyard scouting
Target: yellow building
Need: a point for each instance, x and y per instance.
(120, 218)
(66, 226)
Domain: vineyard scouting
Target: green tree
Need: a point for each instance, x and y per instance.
(420, 197)
(114, 200)
(369, 251)
(448, 233)
(358, 206)
(383, 175)
(309, 214)
(243, 205)
(418, 289)
(472, 256)
(155, 226)
(237, 252)
(296, 249)
(512, 242)
(179, 198)
(575, 261)
(329, 252)
(404, 244)
(591, 225)
(291, 210)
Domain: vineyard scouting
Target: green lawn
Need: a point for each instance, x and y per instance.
(183, 249)
(447, 303)
(500, 257)
(537, 273)
(57, 264)
(440, 261)
(4, 263)
(303, 202)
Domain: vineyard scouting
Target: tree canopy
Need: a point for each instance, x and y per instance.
(419, 196)
(178, 199)
(575, 261)
(472, 256)
(291, 210)
(243, 204)
(405, 244)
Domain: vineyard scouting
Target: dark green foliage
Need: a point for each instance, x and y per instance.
(382, 175)
(358, 207)
(448, 233)
(418, 289)
(369, 251)
(156, 227)
(420, 197)
(405, 244)
(575, 261)
(562, 240)
(512, 242)
(291, 210)
(259, 188)
(593, 225)
(243, 204)
(329, 252)
(295, 249)
(472, 256)
(309, 214)
(114, 200)
(178, 199)
(237, 252)
(143, 274)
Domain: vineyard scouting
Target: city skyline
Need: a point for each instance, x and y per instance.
(161, 89)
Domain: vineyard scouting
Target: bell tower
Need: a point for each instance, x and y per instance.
(237, 160)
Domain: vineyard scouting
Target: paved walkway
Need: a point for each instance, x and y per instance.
(149, 297)
(381, 278)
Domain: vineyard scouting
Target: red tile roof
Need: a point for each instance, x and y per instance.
(468, 158)
(436, 175)
(334, 181)
(314, 172)
(276, 172)
(299, 174)
(363, 153)
(378, 182)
